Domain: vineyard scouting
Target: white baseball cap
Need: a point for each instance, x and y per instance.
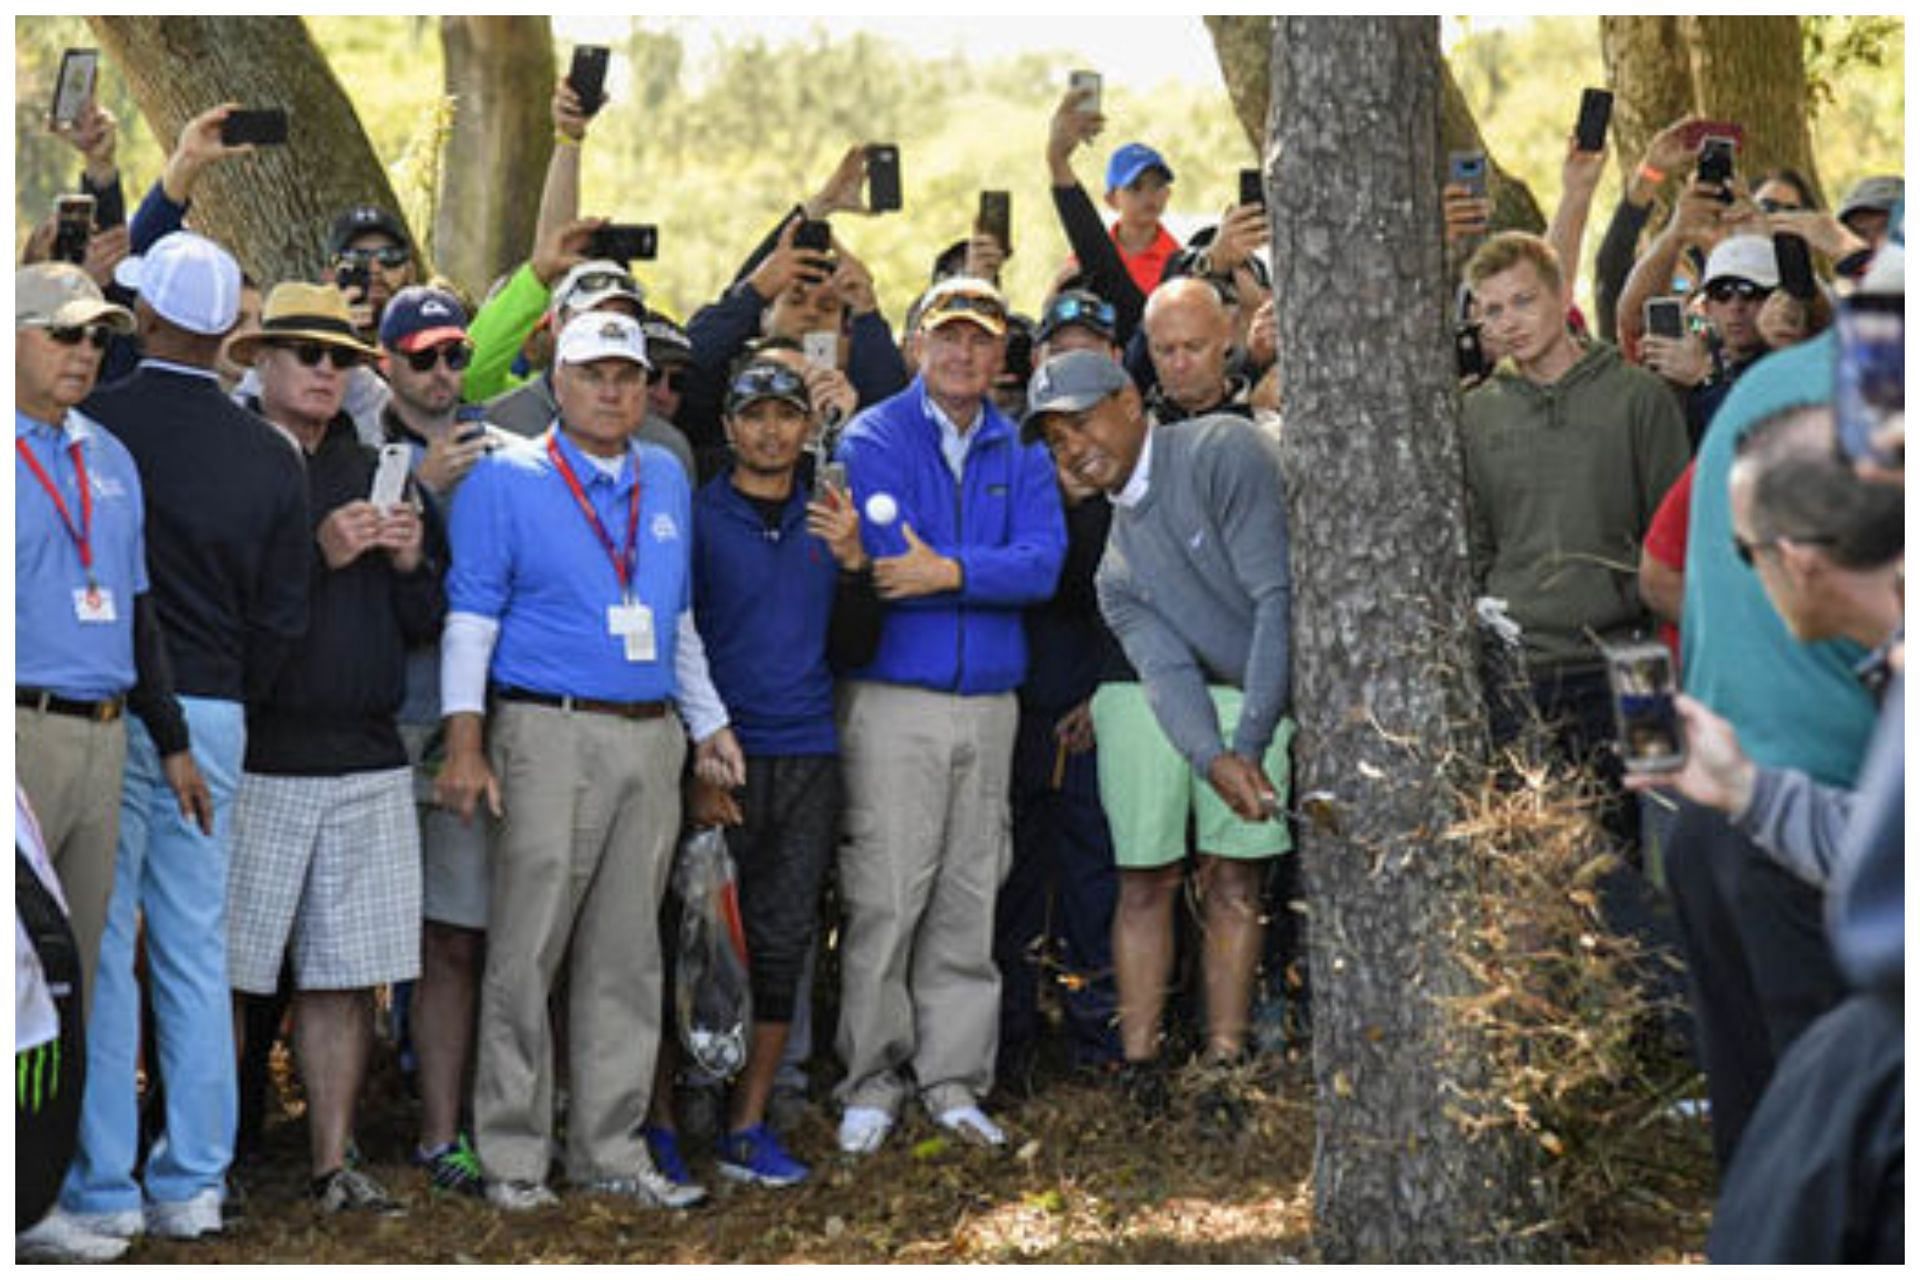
(1743, 258)
(188, 280)
(602, 335)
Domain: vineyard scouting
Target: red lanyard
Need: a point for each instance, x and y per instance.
(623, 563)
(83, 535)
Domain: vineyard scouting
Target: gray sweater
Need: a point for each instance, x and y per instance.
(1195, 583)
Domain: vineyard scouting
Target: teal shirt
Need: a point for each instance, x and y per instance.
(1795, 705)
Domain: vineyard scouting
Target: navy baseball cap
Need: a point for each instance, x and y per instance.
(420, 316)
(1132, 160)
(362, 219)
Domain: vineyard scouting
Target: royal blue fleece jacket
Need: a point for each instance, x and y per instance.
(1001, 521)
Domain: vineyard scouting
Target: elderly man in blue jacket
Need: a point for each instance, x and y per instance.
(964, 525)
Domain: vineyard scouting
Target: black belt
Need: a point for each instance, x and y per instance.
(104, 712)
(598, 706)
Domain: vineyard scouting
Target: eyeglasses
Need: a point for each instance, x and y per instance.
(458, 356)
(1748, 550)
(759, 381)
(392, 257)
(311, 354)
(1095, 312)
(71, 335)
(1728, 290)
(675, 379)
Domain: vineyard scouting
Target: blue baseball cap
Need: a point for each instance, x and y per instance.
(419, 316)
(1132, 160)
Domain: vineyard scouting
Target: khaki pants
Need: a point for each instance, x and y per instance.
(929, 841)
(581, 861)
(71, 770)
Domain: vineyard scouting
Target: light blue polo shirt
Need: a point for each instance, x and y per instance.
(1794, 705)
(524, 555)
(53, 649)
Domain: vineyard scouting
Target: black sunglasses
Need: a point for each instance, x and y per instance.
(1747, 550)
(70, 335)
(1769, 205)
(311, 354)
(675, 379)
(458, 356)
(391, 256)
(1728, 290)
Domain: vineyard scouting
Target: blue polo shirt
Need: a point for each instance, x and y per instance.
(525, 556)
(1795, 705)
(54, 650)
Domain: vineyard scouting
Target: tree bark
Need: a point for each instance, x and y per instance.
(1651, 82)
(1754, 70)
(1243, 45)
(1384, 665)
(499, 73)
(273, 208)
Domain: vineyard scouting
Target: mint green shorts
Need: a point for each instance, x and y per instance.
(1148, 788)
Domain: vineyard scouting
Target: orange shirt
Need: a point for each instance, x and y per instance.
(1146, 266)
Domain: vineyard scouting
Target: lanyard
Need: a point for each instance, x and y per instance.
(623, 562)
(83, 534)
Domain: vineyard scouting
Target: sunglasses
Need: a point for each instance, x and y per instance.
(311, 354)
(674, 379)
(71, 335)
(595, 281)
(765, 380)
(1728, 290)
(1097, 313)
(1748, 550)
(1769, 205)
(458, 356)
(962, 303)
(392, 257)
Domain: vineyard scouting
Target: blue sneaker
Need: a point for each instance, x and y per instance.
(756, 1156)
(664, 1146)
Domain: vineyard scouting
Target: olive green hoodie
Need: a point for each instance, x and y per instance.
(1564, 480)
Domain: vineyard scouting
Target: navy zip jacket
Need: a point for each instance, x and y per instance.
(1002, 522)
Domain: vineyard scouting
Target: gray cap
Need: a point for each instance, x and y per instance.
(1877, 194)
(54, 295)
(1070, 383)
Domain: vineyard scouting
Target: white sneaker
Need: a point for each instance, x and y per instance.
(67, 1237)
(125, 1224)
(972, 1124)
(650, 1187)
(185, 1219)
(518, 1197)
(863, 1129)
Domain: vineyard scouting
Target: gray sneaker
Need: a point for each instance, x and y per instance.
(347, 1189)
(650, 1187)
(517, 1197)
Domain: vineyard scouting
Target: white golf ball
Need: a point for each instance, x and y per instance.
(881, 508)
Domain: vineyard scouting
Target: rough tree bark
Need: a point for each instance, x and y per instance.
(1243, 45)
(1652, 86)
(272, 209)
(499, 73)
(1384, 682)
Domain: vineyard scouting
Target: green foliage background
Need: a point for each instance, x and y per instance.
(715, 143)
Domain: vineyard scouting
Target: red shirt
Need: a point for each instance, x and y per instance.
(1667, 540)
(1146, 266)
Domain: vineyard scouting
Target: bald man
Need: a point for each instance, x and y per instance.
(1189, 332)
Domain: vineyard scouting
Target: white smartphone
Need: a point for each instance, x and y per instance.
(390, 477)
(822, 348)
(78, 70)
(1089, 81)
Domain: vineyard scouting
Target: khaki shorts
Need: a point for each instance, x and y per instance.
(1148, 788)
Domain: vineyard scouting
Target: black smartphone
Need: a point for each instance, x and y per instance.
(1468, 169)
(78, 70)
(1869, 374)
(588, 76)
(815, 235)
(1253, 187)
(1665, 318)
(883, 177)
(1796, 265)
(1650, 739)
(72, 228)
(262, 126)
(625, 241)
(1470, 361)
(996, 217)
(1596, 110)
(349, 276)
(1716, 161)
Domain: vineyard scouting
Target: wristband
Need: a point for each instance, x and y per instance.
(565, 140)
(1651, 174)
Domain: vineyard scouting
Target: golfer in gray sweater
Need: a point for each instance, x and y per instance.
(1194, 583)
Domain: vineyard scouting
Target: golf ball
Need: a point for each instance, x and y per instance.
(881, 508)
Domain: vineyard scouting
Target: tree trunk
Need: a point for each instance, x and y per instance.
(1243, 44)
(1384, 683)
(1754, 70)
(499, 73)
(1652, 85)
(273, 208)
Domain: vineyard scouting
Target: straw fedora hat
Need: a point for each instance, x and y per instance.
(299, 312)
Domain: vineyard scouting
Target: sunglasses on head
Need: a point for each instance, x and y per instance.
(391, 256)
(1728, 290)
(1097, 312)
(311, 354)
(1769, 205)
(71, 335)
(457, 355)
(763, 380)
(969, 302)
(595, 281)
(675, 379)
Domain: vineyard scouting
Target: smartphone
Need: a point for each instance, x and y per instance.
(262, 126)
(1650, 739)
(821, 348)
(390, 476)
(1716, 159)
(1796, 265)
(472, 420)
(1087, 85)
(996, 217)
(1665, 318)
(1253, 187)
(830, 475)
(588, 76)
(78, 70)
(625, 241)
(349, 276)
(72, 228)
(1869, 374)
(1468, 169)
(883, 177)
(1596, 110)
(1698, 131)
(1470, 362)
(814, 235)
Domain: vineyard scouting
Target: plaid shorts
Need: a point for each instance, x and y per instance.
(329, 869)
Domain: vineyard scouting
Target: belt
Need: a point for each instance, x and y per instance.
(566, 702)
(104, 712)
